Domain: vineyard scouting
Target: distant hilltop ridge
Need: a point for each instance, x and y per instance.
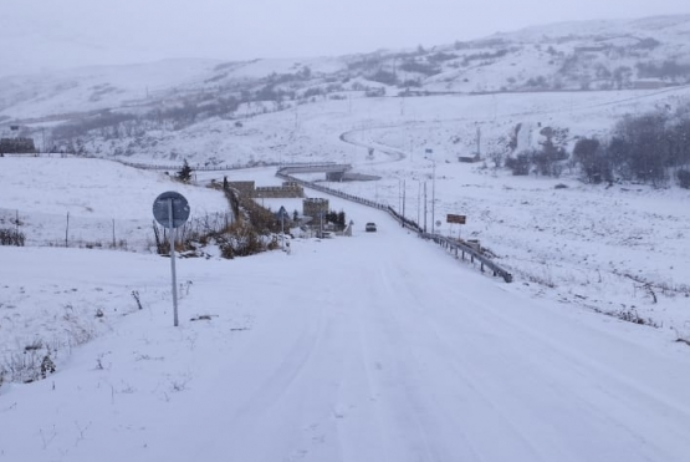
(667, 24)
(602, 55)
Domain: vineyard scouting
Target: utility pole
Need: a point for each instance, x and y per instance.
(479, 140)
(419, 198)
(403, 204)
(433, 200)
(425, 206)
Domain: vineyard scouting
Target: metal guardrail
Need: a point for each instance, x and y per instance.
(443, 241)
(463, 249)
(295, 167)
(327, 167)
(195, 168)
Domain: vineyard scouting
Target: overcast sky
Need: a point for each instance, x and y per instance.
(101, 32)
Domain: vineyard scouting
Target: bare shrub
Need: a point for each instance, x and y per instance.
(197, 231)
(593, 160)
(683, 178)
(520, 164)
(22, 367)
(243, 240)
(47, 366)
(12, 237)
(137, 298)
(630, 315)
(202, 317)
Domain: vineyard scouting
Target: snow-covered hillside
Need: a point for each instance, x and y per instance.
(373, 347)
(595, 55)
(379, 346)
(89, 202)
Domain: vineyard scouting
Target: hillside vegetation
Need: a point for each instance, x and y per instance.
(209, 114)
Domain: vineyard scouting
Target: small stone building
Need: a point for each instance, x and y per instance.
(288, 189)
(245, 188)
(314, 206)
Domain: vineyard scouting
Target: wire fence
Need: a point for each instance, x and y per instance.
(38, 229)
(68, 230)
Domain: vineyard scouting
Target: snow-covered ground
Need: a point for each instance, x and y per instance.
(90, 202)
(374, 347)
(446, 124)
(620, 250)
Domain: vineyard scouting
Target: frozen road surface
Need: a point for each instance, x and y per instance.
(376, 348)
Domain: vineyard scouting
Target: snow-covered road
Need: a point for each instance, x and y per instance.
(373, 348)
(399, 360)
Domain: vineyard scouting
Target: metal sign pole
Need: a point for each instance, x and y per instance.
(172, 261)
(171, 210)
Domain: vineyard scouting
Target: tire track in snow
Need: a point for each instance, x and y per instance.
(410, 380)
(616, 397)
(398, 288)
(477, 316)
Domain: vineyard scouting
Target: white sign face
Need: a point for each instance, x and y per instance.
(162, 208)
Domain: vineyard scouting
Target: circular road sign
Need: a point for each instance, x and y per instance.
(180, 209)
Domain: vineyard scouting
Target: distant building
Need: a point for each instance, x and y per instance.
(314, 207)
(288, 189)
(470, 159)
(17, 146)
(245, 188)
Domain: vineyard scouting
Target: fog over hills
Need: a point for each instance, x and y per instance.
(150, 110)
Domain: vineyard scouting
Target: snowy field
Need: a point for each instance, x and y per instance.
(109, 205)
(621, 250)
(375, 347)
